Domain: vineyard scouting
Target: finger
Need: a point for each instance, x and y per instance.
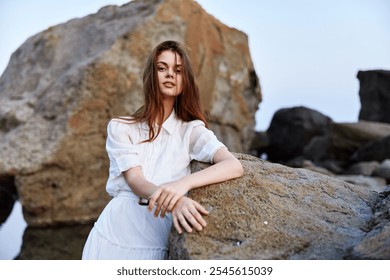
(200, 208)
(173, 202)
(177, 226)
(184, 223)
(153, 198)
(166, 204)
(191, 219)
(198, 217)
(160, 202)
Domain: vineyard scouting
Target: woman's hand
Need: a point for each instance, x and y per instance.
(188, 213)
(166, 196)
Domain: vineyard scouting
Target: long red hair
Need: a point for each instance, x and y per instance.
(187, 104)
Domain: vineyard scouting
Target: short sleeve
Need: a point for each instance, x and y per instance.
(203, 143)
(122, 152)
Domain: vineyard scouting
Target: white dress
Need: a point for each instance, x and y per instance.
(125, 229)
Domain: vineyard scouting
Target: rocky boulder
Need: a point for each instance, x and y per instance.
(377, 150)
(291, 129)
(63, 85)
(344, 140)
(374, 95)
(277, 212)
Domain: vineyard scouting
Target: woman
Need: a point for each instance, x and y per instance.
(150, 153)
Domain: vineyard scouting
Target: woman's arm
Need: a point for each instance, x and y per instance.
(137, 182)
(187, 213)
(226, 166)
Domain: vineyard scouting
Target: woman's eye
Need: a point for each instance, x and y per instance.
(161, 68)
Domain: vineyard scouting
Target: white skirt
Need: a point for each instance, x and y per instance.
(126, 230)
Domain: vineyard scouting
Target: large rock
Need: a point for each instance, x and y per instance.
(291, 129)
(377, 150)
(63, 85)
(345, 139)
(277, 212)
(374, 95)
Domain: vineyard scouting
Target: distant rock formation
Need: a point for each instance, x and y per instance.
(302, 137)
(276, 212)
(374, 95)
(291, 129)
(63, 85)
(378, 150)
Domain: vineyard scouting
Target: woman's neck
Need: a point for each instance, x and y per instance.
(168, 107)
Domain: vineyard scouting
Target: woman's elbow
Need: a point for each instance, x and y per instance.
(238, 169)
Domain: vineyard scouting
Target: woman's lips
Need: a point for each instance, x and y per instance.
(169, 84)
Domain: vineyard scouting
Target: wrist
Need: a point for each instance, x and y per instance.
(186, 183)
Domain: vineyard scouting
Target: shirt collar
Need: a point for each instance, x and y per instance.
(168, 125)
(170, 122)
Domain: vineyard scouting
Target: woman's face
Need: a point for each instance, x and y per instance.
(169, 70)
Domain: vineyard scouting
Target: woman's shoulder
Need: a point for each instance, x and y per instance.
(122, 123)
(194, 127)
(193, 123)
(123, 119)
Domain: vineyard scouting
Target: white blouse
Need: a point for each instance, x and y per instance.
(163, 160)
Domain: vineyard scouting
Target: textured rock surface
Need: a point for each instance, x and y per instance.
(374, 95)
(63, 84)
(376, 243)
(277, 212)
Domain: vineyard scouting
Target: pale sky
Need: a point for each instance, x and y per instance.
(305, 52)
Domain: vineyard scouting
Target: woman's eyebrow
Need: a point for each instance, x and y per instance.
(166, 64)
(162, 62)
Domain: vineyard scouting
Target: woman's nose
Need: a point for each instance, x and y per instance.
(169, 73)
